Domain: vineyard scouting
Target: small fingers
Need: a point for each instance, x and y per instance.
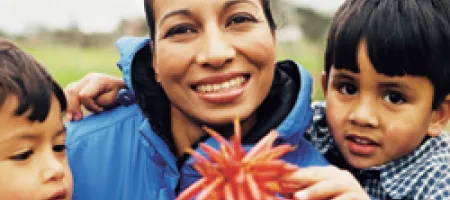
(325, 183)
(107, 100)
(73, 104)
(325, 190)
(88, 94)
(347, 196)
(93, 91)
(100, 91)
(353, 196)
(90, 105)
(310, 175)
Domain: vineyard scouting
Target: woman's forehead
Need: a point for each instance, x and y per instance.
(163, 7)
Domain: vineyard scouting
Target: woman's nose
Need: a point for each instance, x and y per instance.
(216, 49)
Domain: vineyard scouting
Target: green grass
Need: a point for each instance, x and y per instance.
(68, 64)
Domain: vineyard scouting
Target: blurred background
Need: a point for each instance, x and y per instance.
(75, 37)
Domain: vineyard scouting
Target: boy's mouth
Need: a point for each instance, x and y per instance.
(59, 195)
(361, 145)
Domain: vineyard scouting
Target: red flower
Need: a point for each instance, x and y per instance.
(232, 174)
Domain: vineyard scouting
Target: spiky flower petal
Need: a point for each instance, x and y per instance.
(231, 173)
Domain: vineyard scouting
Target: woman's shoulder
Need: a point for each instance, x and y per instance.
(107, 122)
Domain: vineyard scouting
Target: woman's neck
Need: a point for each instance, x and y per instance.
(186, 131)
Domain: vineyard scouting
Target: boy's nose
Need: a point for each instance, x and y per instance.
(52, 170)
(364, 114)
(216, 49)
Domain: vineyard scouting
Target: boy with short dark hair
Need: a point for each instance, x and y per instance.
(386, 83)
(33, 162)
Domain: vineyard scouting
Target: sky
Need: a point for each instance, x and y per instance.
(19, 16)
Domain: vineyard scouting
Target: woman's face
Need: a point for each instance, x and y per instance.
(214, 59)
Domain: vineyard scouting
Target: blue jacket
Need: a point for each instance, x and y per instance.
(116, 155)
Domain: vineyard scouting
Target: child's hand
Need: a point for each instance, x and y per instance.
(326, 183)
(94, 91)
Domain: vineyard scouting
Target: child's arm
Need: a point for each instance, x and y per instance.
(94, 92)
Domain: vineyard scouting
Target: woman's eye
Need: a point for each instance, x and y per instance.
(395, 98)
(347, 89)
(178, 30)
(22, 156)
(238, 19)
(59, 148)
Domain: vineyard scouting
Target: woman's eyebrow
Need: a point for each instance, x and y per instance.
(185, 12)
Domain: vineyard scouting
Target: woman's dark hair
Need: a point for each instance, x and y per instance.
(22, 76)
(404, 37)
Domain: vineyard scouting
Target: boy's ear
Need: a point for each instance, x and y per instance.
(324, 82)
(439, 118)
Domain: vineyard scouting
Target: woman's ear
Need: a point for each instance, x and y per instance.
(439, 118)
(324, 82)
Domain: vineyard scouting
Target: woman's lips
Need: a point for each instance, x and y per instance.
(221, 89)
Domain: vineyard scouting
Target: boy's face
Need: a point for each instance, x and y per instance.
(375, 118)
(33, 162)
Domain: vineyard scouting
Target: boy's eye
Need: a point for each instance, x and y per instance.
(59, 148)
(395, 98)
(240, 18)
(347, 88)
(180, 29)
(22, 156)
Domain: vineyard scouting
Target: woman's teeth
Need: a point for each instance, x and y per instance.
(224, 86)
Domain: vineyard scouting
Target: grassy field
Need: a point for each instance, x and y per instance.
(68, 64)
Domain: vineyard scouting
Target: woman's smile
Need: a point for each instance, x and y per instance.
(224, 88)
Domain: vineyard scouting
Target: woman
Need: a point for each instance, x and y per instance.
(209, 62)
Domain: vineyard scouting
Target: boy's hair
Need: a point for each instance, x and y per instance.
(22, 76)
(404, 37)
